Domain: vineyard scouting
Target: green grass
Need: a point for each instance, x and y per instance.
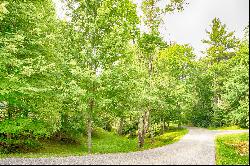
(103, 142)
(232, 149)
(110, 142)
(51, 149)
(167, 138)
(226, 128)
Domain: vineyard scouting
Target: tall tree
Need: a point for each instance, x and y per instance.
(104, 28)
(177, 62)
(153, 11)
(223, 45)
(28, 68)
(235, 94)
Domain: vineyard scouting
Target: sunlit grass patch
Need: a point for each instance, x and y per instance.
(103, 142)
(226, 128)
(169, 137)
(110, 142)
(232, 149)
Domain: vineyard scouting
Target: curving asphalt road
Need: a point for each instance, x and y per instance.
(195, 148)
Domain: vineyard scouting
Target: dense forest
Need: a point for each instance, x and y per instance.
(98, 69)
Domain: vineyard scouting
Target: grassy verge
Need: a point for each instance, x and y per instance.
(232, 149)
(167, 138)
(103, 142)
(226, 128)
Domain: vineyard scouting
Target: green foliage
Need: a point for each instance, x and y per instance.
(27, 71)
(3, 10)
(122, 82)
(175, 66)
(62, 79)
(148, 44)
(236, 95)
(223, 95)
(18, 145)
(222, 44)
(153, 13)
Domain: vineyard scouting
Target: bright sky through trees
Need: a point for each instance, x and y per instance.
(189, 26)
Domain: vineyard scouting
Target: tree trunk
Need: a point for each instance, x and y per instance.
(180, 116)
(90, 127)
(130, 134)
(145, 123)
(130, 130)
(179, 125)
(142, 129)
(163, 126)
(8, 136)
(120, 126)
(60, 136)
(152, 135)
(89, 136)
(140, 132)
(144, 120)
(168, 125)
(149, 107)
(151, 129)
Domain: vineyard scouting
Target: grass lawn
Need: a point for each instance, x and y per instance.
(232, 149)
(103, 142)
(226, 128)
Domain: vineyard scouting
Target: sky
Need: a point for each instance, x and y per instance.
(188, 26)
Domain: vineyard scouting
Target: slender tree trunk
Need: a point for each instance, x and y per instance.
(120, 126)
(163, 126)
(60, 136)
(152, 135)
(142, 128)
(149, 107)
(179, 125)
(151, 129)
(89, 136)
(140, 132)
(146, 123)
(130, 130)
(8, 136)
(144, 120)
(161, 123)
(168, 125)
(90, 126)
(130, 134)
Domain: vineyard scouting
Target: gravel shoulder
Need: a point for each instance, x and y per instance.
(195, 148)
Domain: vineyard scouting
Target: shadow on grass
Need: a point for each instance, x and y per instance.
(103, 142)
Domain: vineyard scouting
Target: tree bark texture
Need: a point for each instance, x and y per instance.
(120, 126)
(89, 130)
(142, 128)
